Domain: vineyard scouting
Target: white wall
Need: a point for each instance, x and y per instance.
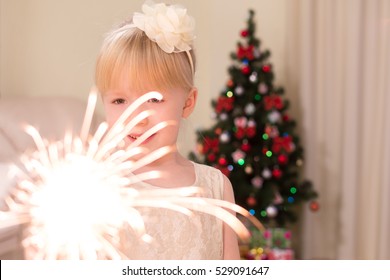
(49, 47)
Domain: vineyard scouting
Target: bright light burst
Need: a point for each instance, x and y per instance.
(75, 196)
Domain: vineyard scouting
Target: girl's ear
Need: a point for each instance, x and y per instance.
(190, 103)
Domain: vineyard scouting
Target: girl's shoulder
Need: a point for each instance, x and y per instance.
(205, 167)
(204, 170)
(210, 178)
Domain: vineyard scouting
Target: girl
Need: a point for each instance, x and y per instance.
(154, 52)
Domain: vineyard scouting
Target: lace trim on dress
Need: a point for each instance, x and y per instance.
(177, 236)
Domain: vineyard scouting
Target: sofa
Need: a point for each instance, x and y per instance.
(52, 116)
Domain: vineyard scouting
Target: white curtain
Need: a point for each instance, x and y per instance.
(339, 71)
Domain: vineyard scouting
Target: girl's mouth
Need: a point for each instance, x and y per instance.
(135, 137)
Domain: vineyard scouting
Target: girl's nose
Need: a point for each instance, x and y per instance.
(143, 122)
(141, 110)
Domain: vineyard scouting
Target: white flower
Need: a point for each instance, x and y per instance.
(169, 26)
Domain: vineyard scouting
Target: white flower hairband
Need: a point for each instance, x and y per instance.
(169, 26)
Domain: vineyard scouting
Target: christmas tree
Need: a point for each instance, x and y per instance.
(253, 140)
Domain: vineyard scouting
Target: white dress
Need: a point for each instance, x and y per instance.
(177, 236)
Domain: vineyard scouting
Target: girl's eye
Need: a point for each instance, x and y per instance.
(155, 100)
(119, 101)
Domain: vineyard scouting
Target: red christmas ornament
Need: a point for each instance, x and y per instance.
(251, 201)
(273, 101)
(218, 131)
(230, 83)
(282, 159)
(244, 33)
(277, 173)
(243, 52)
(268, 129)
(240, 133)
(246, 146)
(282, 143)
(211, 157)
(224, 104)
(246, 70)
(251, 131)
(222, 161)
(210, 144)
(266, 68)
(286, 118)
(314, 206)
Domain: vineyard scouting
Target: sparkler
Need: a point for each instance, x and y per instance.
(75, 196)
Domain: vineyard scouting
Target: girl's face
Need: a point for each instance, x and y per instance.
(175, 104)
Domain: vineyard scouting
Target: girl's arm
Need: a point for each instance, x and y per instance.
(230, 242)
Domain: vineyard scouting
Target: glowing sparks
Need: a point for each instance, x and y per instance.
(75, 196)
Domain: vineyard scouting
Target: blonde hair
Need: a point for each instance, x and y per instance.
(128, 51)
